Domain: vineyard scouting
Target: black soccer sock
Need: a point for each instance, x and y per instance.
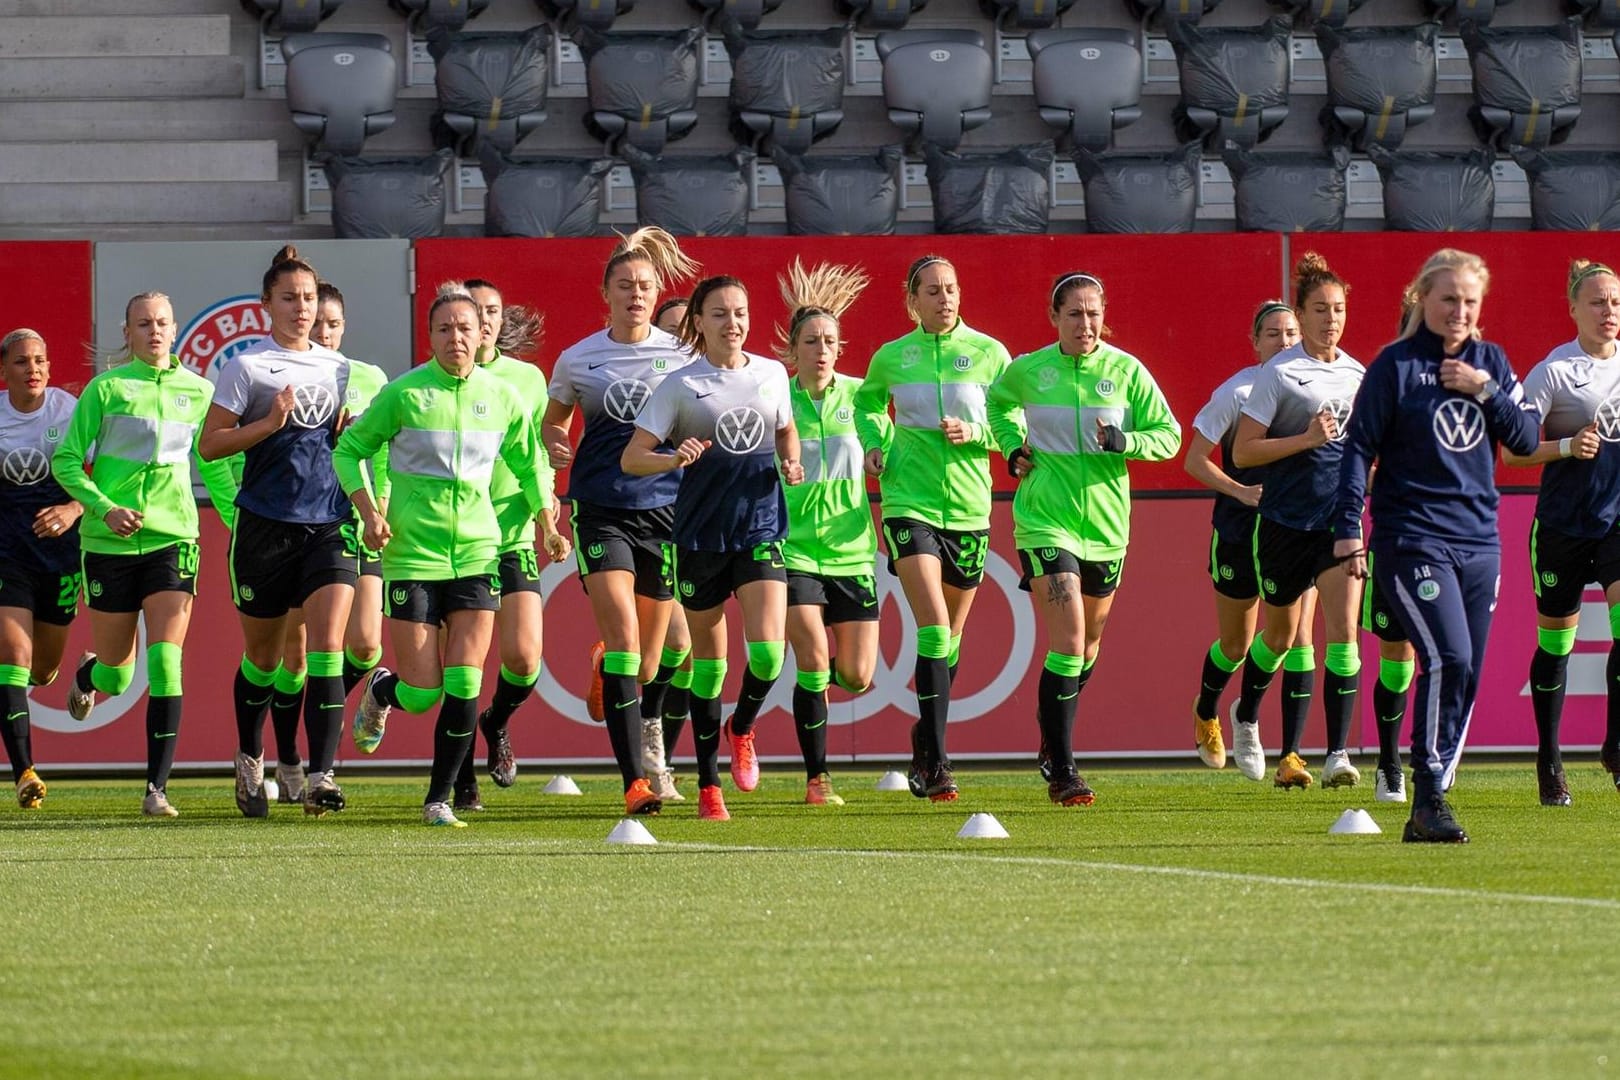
(1389, 708)
(386, 690)
(754, 690)
(249, 701)
(14, 730)
(1611, 672)
(933, 679)
(81, 677)
(323, 720)
(1259, 668)
(1298, 689)
(286, 712)
(706, 736)
(810, 720)
(623, 719)
(1548, 674)
(452, 738)
(677, 701)
(508, 697)
(653, 693)
(354, 670)
(1057, 696)
(162, 733)
(1212, 682)
(467, 774)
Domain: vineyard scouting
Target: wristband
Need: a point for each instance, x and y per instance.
(1566, 446)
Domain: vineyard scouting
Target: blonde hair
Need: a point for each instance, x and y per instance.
(826, 290)
(17, 337)
(1442, 260)
(99, 360)
(653, 245)
(1580, 271)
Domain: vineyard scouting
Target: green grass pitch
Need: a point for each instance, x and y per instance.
(1190, 923)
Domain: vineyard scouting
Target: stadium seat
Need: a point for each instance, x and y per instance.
(642, 88)
(1140, 193)
(1321, 12)
(744, 13)
(340, 88)
(595, 14)
(1436, 192)
(1234, 81)
(542, 197)
(693, 195)
(936, 83)
(290, 16)
(1026, 14)
(1474, 11)
(450, 14)
(1087, 83)
(999, 193)
(1527, 82)
(1168, 12)
(377, 199)
(1289, 191)
(1572, 190)
(491, 87)
(1597, 14)
(787, 87)
(1381, 81)
(850, 195)
(880, 14)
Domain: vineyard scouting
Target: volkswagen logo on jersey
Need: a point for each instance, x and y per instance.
(1607, 419)
(963, 363)
(844, 414)
(1340, 410)
(1105, 387)
(53, 434)
(740, 430)
(624, 398)
(25, 465)
(910, 355)
(313, 406)
(660, 363)
(220, 332)
(1459, 425)
(1047, 379)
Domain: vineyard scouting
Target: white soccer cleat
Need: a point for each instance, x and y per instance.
(1337, 770)
(652, 745)
(371, 718)
(663, 786)
(438, 813)
(1247, 753)
(156, 804)
(80, 702)
(1390, 784)
(290, 779)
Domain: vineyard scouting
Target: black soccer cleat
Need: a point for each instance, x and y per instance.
(941, 785)
(1554, 790)
(502, 762)
(1432, 823)
(917, 775)
(1609, 757)
(1071, 790)
(467, 798)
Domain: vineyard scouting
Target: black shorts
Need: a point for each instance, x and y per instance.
(1288, 561)
(635, 540)
(118, 583)
(1231, 568)
(353, 539)
(370, 567)
(1378, 616)
(1097, 579)
(847, 599)
(51, 598)
(705, 578)
(960, 553)
(1561, 566)
(520, 571)
(431, 601)
(276, 565)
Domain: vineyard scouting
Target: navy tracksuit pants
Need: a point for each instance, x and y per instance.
(1445, 596)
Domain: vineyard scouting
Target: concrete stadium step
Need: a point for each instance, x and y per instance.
(201, 120)
(142, 77)
(110, 9)
(118, 36)
(32, 206)
(133, 163)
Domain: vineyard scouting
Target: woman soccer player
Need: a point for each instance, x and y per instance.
(1231, 558)
(1067, 418)
(622, 523)
(1573, 540)
(1431, 412)
(726, 414)
(1293, 425)
(935, 487)
(658, 750)
(446, 424)
(136, 426)
(39, 568)
(507, 333)
(362, 639)
(280, 403)
(831, 546)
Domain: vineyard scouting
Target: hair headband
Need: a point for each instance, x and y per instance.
(1057, 290)
(1270, 307)
(911, 282)
(1589, 270)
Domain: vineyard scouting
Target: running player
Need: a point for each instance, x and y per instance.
(1067, 418)
(831, 546)
(1430, 414)
(136, 428)
(279, 403)
(1293, 425)
(362, 640)
(935, 488)
(1573, 540)
(724, 414)
(677, 642)
(446, 422)
(1231, 559)
(510, 332)
(622, 523)
(39, 569)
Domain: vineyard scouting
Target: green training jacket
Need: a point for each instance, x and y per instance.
(511, 507)
(930, 377)
(136, 426)
(1077, 497)
(829, 516)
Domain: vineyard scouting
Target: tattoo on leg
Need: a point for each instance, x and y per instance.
(1057, 589)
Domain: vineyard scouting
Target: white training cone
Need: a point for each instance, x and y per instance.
(562, 785)
(893, 781)
(982, 827)
(272, 790)
(630, 831)
(1355, 823)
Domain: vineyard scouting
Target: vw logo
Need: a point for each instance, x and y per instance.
(1459, 426)
(1607, 420)
(844, 414)
(1549, 578)
(1226, 573)
(313, 406)
(1428, 589)
(25, 465)
(399, 596)
(624, 399)
(963, 363)
(1047, 379)
(910, 355)
(596, 551)
(1340, 410)
(660, 363)
(480, 409)
(246, 593)
(1105, 387)
(740, 430)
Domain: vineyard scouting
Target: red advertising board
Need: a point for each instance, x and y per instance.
(47, 283)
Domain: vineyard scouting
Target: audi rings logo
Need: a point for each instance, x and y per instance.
(625, 398)
(740, 430)
(25, 465)
(1459, 426)
(313, 406)
(222, 330)
(1607, 419)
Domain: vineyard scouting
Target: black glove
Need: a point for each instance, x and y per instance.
(1019, 455)
(1110, 439)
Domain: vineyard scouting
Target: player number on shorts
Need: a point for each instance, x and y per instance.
(971, 558)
